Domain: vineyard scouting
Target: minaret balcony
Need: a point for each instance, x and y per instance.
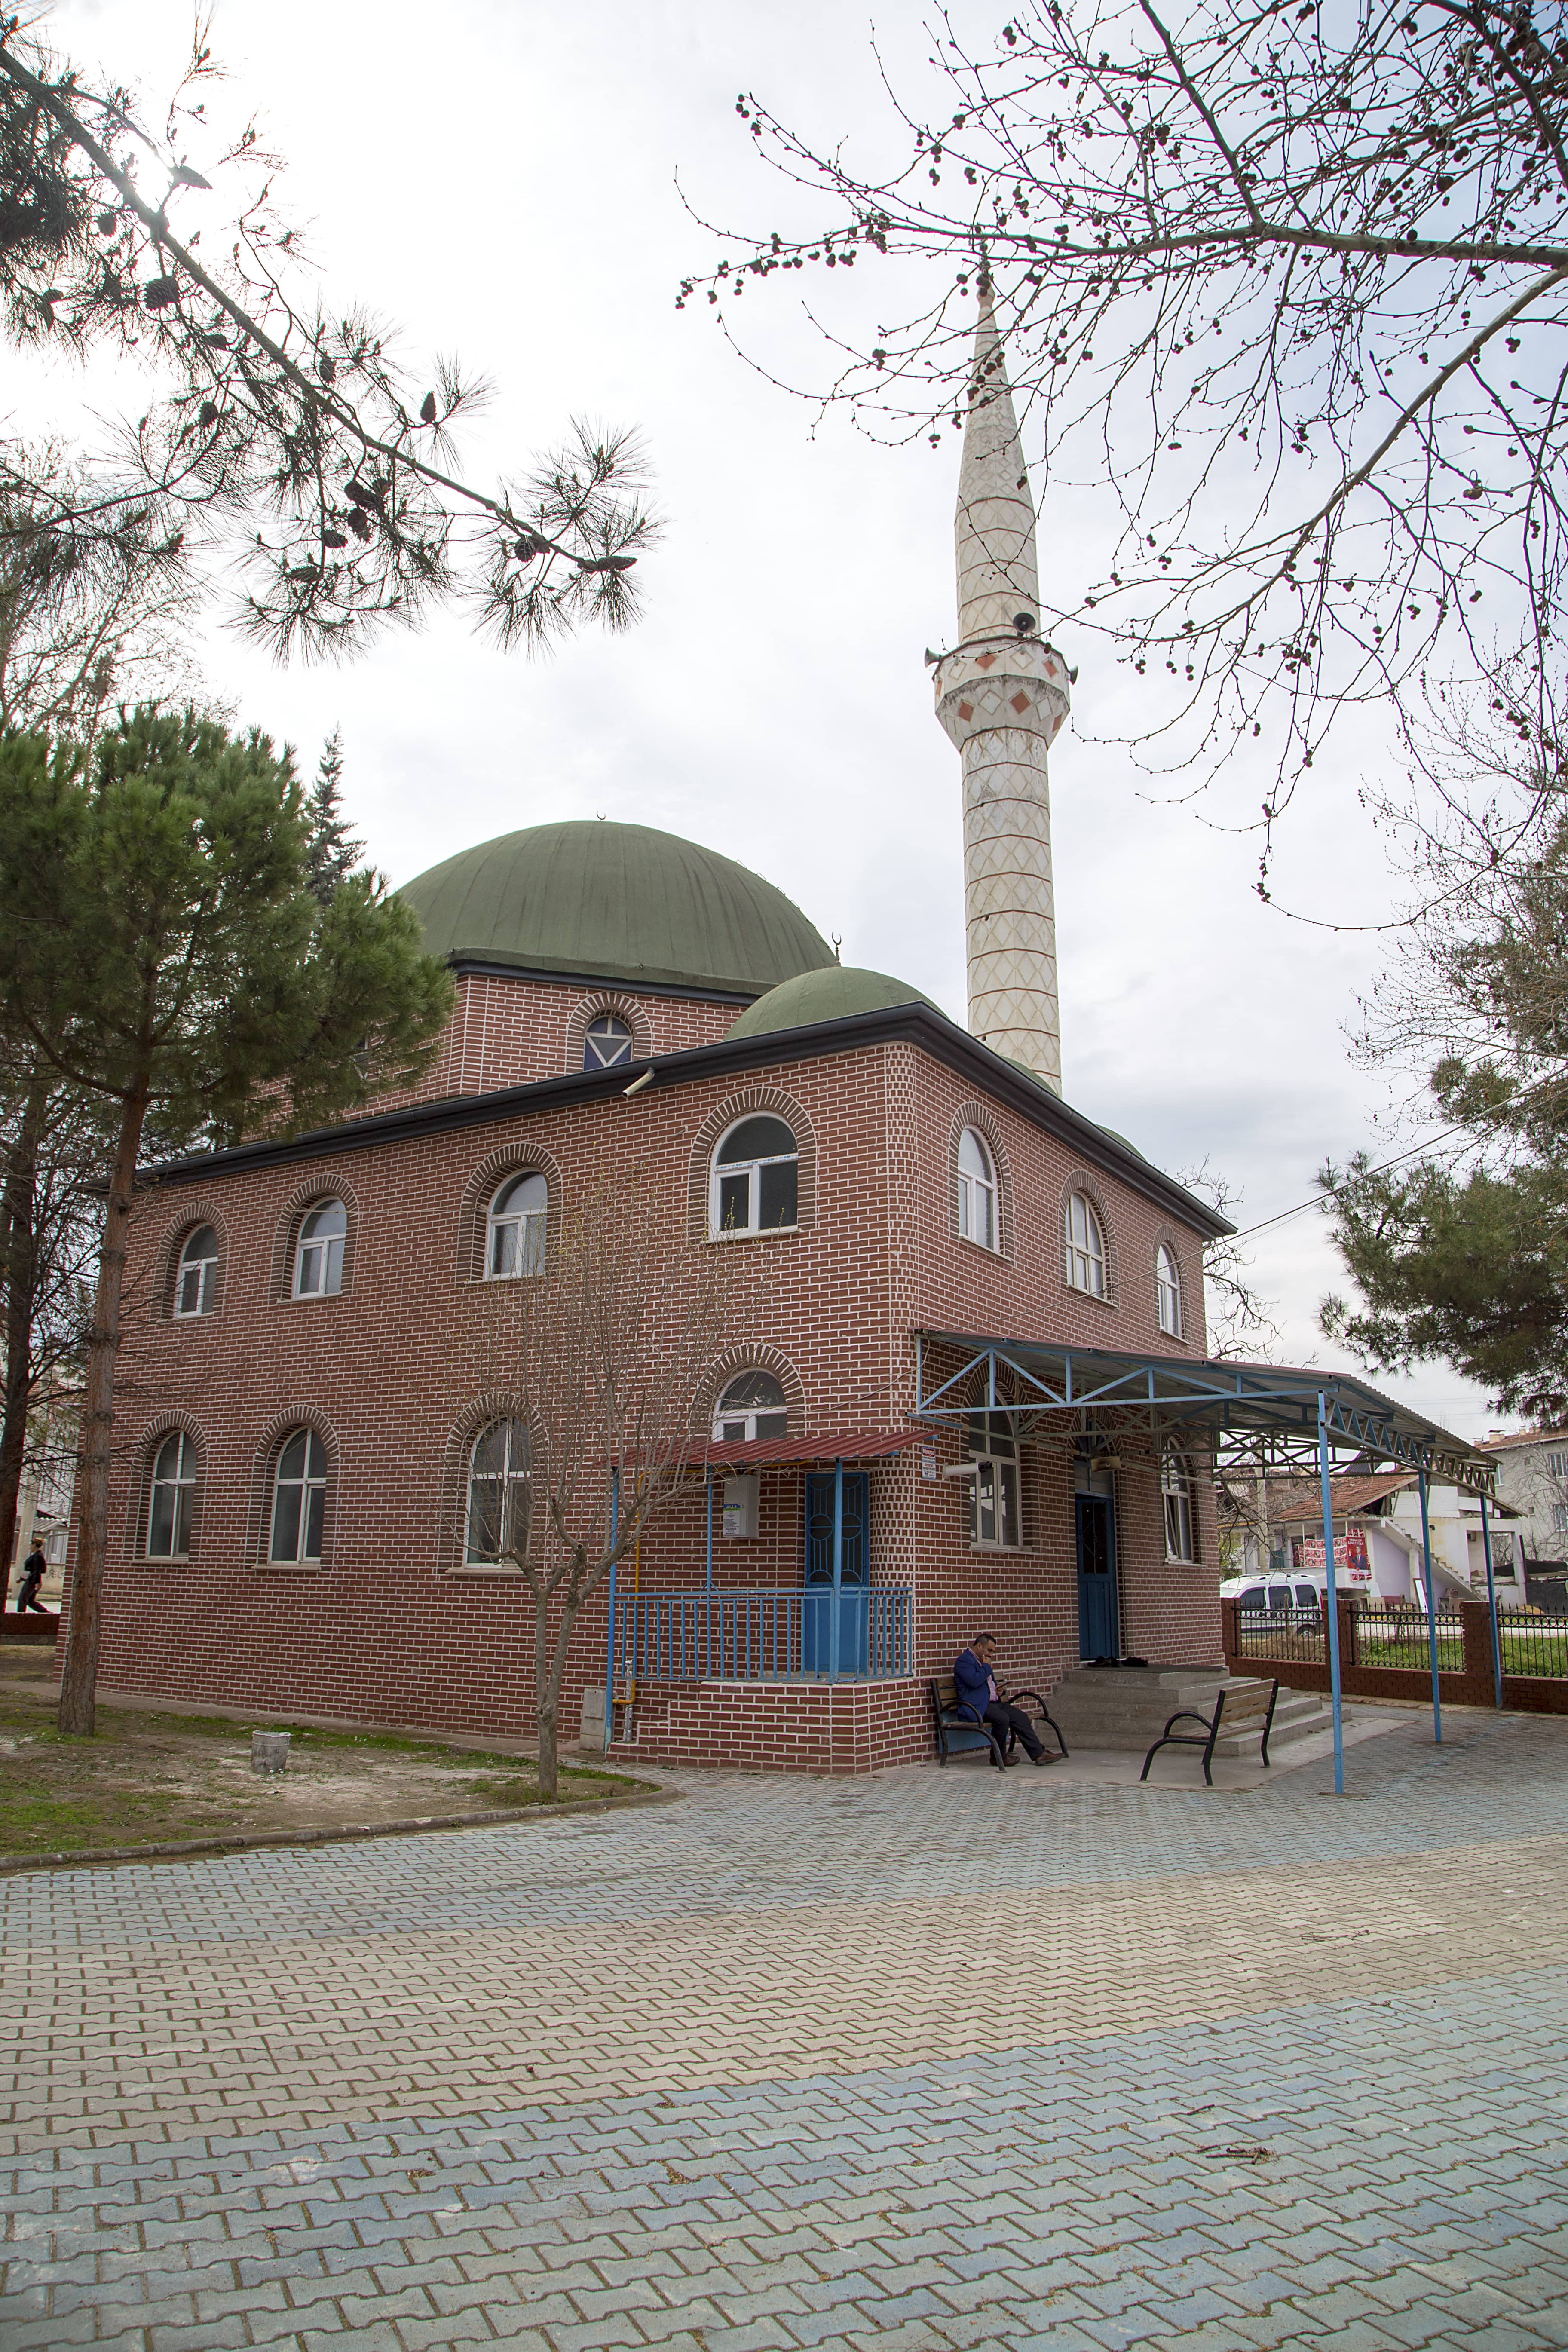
(1007, 680)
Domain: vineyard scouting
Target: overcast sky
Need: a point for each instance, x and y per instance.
(500, 180)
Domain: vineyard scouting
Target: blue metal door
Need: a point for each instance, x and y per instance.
(855, 1576)
(1099, 1634)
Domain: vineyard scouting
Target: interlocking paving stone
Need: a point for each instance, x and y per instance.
(917, 2063)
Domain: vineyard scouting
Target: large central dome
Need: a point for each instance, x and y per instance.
(615, 902)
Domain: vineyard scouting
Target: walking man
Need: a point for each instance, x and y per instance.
(31, 1577)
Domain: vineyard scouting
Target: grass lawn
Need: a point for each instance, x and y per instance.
(149, 1778)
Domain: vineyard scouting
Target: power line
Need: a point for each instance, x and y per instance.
(1332, 1192)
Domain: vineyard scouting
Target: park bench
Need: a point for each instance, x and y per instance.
(1238, 1708)
(960, 1731)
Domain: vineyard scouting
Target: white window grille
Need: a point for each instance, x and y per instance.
(173, 1495)
(515, 1237)
(1168, 1290)
(299, 1500)
(608, 1043)
(195, 1290)
(976, 1191)
(994, 1520)
(756, 1179)
(1085, 1247)
(1176, 1486)
(499, 1493)
(752, 1406)
(1557, 1465)
(319, 1260)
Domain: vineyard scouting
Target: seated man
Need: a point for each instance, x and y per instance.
(975, 1684)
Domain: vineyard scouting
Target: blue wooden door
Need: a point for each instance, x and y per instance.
(1099, 1634)
(853, 1596)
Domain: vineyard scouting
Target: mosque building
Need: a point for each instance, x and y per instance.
(312, 1451)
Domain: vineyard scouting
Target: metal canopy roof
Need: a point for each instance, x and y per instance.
(1246, 1409)
(802, 1453)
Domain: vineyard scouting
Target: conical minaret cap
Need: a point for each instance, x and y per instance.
(993, 527)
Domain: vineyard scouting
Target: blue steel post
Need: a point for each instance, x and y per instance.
(610, 1668)
(837, 1568)
(1332, 1595)
(1491, 1600)
(708, 1610)
(1431, 1609)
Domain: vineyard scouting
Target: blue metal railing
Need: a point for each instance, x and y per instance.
(758, 1636)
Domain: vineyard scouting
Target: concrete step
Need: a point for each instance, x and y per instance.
(1127, 1707)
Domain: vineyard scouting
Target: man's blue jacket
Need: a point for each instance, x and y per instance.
(972, 1680)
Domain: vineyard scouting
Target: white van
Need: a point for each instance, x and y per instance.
(1279, 1596)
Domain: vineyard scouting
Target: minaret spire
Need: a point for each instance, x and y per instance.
(1001, 695)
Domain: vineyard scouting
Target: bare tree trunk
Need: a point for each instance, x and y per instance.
(548, 1686)
(17, 1213)
(80, 1678)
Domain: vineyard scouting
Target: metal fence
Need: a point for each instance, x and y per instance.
(1296, 1636)
(1534, 1645)
(1401, 1636)
(761, 1636)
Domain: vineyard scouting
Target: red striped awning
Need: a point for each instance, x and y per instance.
(807, 1453)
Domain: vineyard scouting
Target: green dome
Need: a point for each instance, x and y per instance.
(831, 994)
(614, 902)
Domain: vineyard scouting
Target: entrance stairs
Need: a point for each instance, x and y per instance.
(1127, 1707)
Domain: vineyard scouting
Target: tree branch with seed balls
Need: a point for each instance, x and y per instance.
(1286, 286)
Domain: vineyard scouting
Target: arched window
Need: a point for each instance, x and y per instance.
(1176, 1486)
(195, 1289)
(752, 1406)
(976, 1192)
(515, 1239)
(174, 1493)
(499, 1465)
(1168, 1291)
(299, 1500)
(756, 1171)
(1085, 1247)
(318, 1259)
(608, 1042)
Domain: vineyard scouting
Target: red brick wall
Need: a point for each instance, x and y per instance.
(379, 1632)
(506, 1033)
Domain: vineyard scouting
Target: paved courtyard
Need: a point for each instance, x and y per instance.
(932, 2060)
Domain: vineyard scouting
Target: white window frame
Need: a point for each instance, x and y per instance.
(978, 1195)
(624, 1042)
(515, 1239)
(181, 1484)
(205, 1268)
(737, 1424)
(1557, 1465)
(752, 1170)
(320, 1254)
(1084, 1240)
(1177, 1496)
(311, 1484)
(510, 1478)
(994, 1490)
(1168, 1291)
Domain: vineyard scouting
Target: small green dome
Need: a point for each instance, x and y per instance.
(614, 902)
(832, 994)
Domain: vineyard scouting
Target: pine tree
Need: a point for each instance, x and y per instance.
(163, 954)
(334, 852)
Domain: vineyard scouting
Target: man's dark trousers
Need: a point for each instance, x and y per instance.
(1004, 1718)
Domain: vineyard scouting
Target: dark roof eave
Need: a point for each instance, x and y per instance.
(641, 978)
(913, 1024)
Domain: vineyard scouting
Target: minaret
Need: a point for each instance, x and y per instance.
(1002, 694)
